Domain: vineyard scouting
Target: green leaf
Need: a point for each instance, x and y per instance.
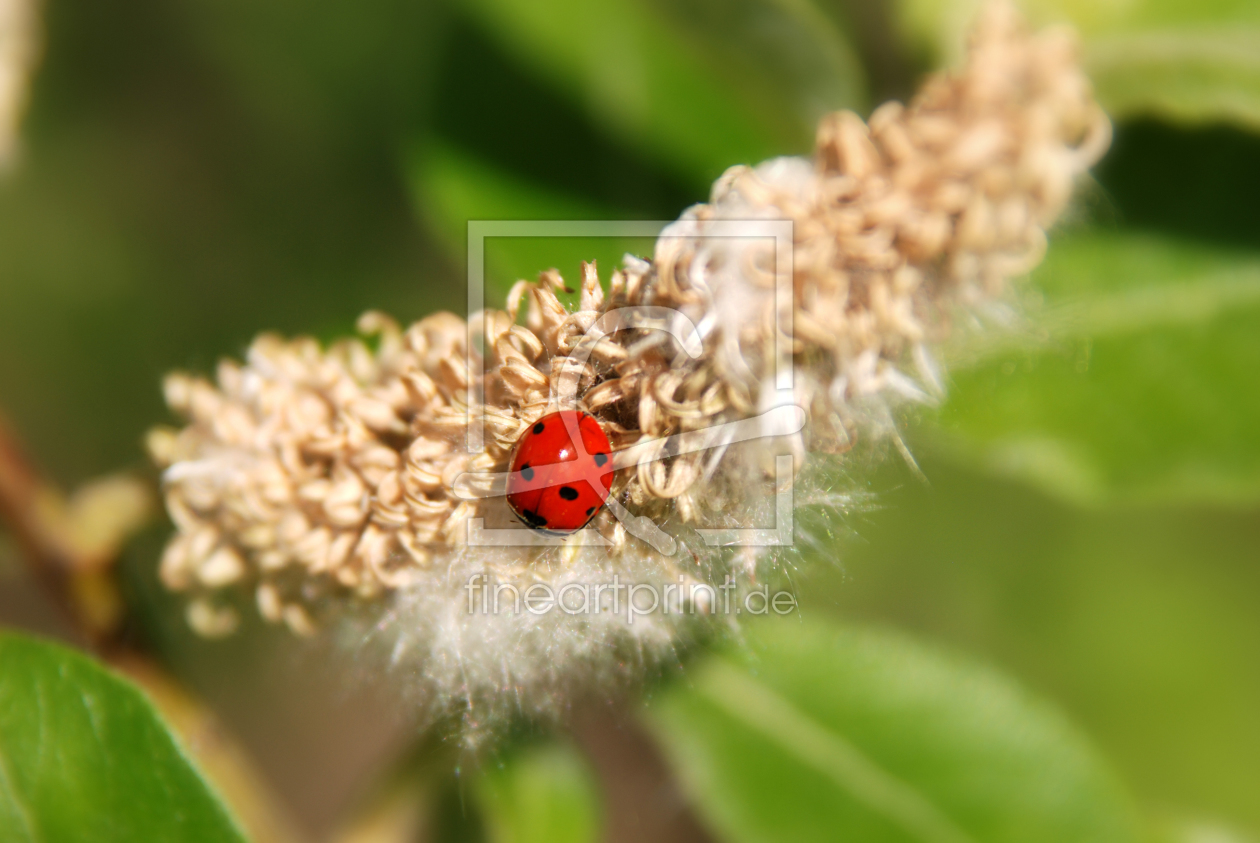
(1183, 60)
(1200, 831)
(541, 793)
(817, 732)
(453, 188)
(85, 756)
(1141, 387)
(701, 85)
(786, 60)
(1141, 622)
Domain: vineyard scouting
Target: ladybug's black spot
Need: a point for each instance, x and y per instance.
(568, 493)
(538, 428)
(589, 510)
(600, 459)
(527, 472)
(533, 519)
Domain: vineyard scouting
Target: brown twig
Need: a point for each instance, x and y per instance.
(70, 542)
(24, 508)
(642, 799)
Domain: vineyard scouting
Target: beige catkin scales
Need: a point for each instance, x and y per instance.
(318, 478)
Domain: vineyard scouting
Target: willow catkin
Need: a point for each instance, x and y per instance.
(323, 478)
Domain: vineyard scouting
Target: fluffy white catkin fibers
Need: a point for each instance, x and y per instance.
(337, 483)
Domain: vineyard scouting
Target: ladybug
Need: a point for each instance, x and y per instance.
(561, 472)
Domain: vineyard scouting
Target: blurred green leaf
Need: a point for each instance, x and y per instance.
(703, 85)
(84, 756)
(817, 732)
(324, 71)
(1139, 621)
(787, 59)
(1177, 59)
(541, 793)
(1200, 831)
(1143, 386)
(452, 187)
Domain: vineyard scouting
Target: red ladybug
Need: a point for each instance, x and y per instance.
(562, 470)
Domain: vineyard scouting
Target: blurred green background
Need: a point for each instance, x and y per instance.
(192, 172)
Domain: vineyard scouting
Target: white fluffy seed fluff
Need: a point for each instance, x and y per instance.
(338, 487)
